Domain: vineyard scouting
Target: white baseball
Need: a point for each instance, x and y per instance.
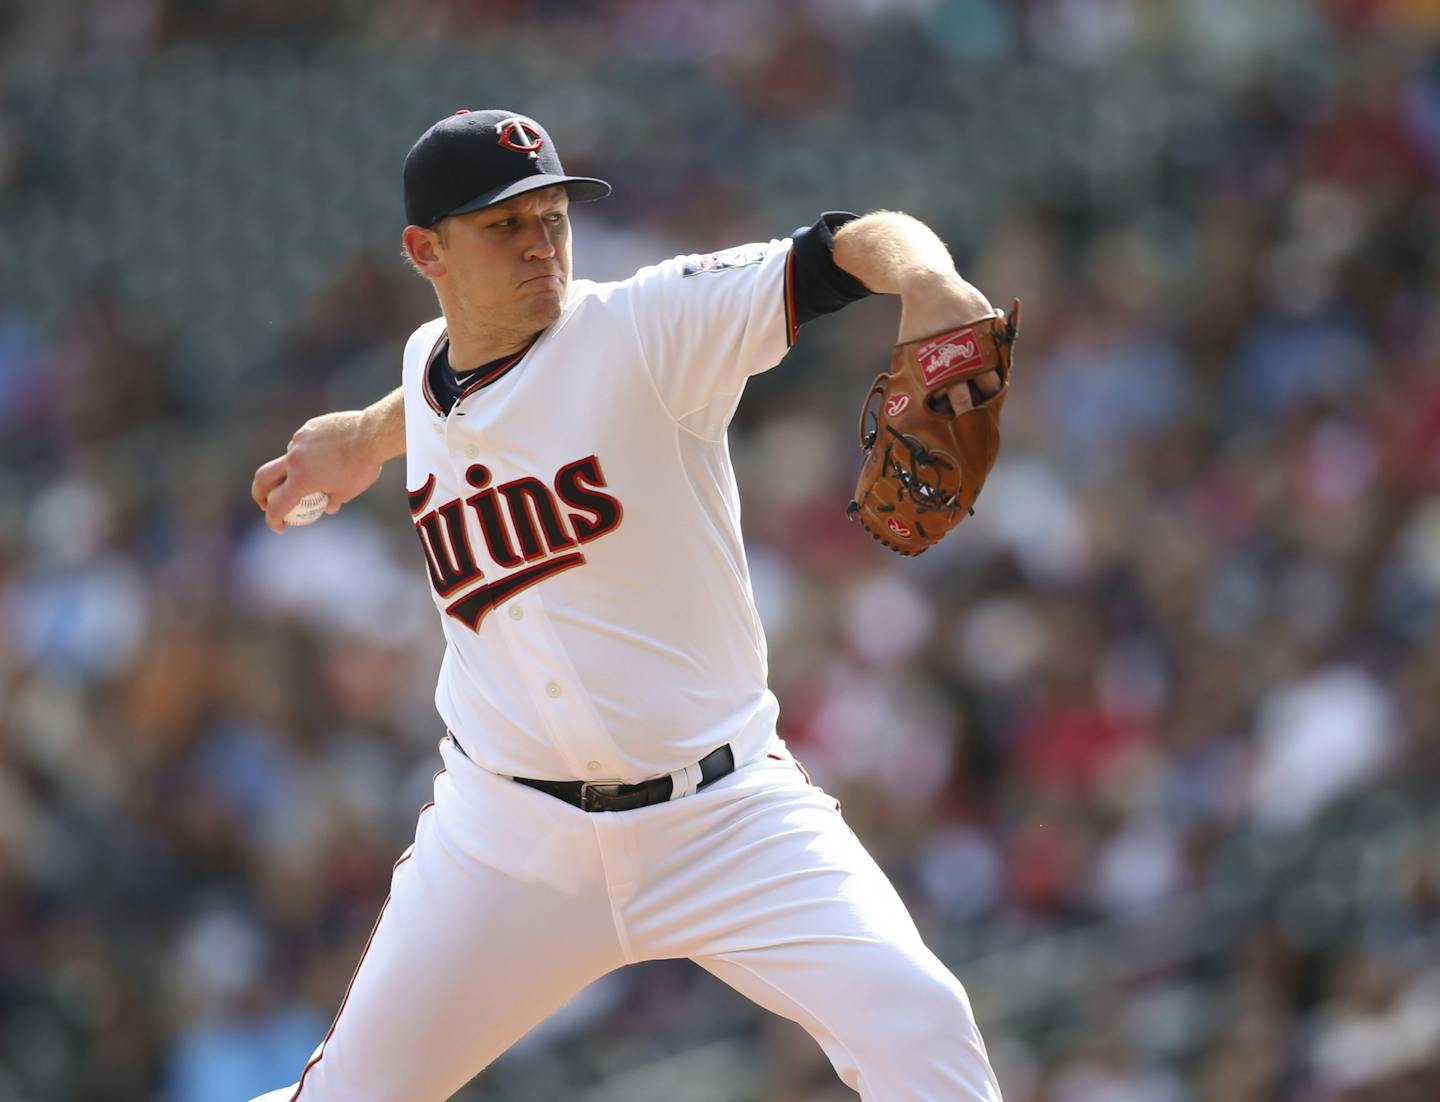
(308, 509)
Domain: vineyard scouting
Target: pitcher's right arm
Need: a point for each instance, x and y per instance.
(340, 453)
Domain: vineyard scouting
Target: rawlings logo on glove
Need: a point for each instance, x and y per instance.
(924, 463)
(949, 355)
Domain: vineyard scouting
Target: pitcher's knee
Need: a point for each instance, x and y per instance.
(927, 1012)
(914, 1036)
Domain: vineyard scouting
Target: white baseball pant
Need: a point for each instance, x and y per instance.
(511, 901)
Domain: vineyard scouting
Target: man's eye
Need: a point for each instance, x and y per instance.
(555, 217)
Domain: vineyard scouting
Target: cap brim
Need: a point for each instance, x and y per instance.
(581, 189)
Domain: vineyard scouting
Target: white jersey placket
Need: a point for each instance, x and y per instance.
(557, 697)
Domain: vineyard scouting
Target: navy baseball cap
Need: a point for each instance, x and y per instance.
(476, 158)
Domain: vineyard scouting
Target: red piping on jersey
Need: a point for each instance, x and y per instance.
(792, 330)
(420, 498)
(796, 763)
(495, 373)
(804, 773)
(483, 381)
(300, 1086)
(425, 373)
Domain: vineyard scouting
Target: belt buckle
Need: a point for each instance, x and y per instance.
(597, 795)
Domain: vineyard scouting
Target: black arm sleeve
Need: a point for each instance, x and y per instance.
(820, 285)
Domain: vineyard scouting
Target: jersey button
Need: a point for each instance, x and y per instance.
(516, 613)
(593, 766)
(552, 689)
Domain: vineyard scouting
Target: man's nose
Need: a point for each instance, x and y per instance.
(541, 242)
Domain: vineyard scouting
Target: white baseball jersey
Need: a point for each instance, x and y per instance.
(578, 512)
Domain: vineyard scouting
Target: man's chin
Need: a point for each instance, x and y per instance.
(546, 305)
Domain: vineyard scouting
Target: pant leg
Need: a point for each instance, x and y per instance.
(895, 1024)
(497, 915)
(766, 887)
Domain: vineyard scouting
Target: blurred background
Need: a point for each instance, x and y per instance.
(1150, 746)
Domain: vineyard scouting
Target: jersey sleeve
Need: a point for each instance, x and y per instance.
(707, 322)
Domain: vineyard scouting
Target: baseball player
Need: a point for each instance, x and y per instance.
(613, 788)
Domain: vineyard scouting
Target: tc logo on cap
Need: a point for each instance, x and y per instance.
(520, 135)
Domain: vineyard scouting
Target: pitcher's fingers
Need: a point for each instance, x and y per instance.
(989, 383)
(267, 478)
(962, 397)
(282, 499)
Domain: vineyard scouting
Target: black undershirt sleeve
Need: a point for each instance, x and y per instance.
(820, 285)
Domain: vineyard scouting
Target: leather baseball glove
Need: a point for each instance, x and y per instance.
(925, 464)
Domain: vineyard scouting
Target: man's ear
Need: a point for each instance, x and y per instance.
(422, 247)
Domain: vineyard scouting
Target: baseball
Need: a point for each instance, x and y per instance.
(308, 509)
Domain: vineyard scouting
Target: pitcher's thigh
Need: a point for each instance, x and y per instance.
(810, 927)
(896, 1025)
(463, 961)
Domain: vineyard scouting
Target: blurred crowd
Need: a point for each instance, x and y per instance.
(732, 35)
(1150, 744)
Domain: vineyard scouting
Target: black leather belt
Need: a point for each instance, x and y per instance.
(589, 796)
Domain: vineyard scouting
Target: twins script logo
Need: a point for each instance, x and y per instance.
(522, 523)
(897, 404)
(949, 355)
